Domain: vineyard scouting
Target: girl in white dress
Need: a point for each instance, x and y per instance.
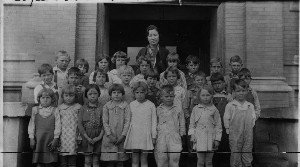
(205, 128)
(142, 131)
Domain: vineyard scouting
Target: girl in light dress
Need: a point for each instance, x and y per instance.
(141, 135)
(205, 128)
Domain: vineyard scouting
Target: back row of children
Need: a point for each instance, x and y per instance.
(111, 112)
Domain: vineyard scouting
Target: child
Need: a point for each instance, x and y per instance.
(90, 127)
(153, 92)
(192, 64)
(60, 70)
(205, 127)
(68, 112)
(116, 121)
(101, 79)
(44, 129)
(173, 60)
(239, 120)
(142, 131)
(83, 65)
(220, 99)
(251, 96)
(126, 73)
(145, 66)
(102, 64)
(170, 129)
(235, 64)
(119, 59)
(73, 79)
(46, 73)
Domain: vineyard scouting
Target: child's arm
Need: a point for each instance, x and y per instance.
(227, 116)
(91, 78)
(31, 127)
(256, 104)
(36, 91)
(153, 121)
(80, 125)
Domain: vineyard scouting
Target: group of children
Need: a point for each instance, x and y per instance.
(113, 115)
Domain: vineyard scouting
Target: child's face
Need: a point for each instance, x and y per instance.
(235, 66)
(151, 81)
(82, 68)
(172, 78)
(120, 62)
(92, 95)
(153, 37)
(144, 67)
(73, 79)
(126, 78)
(246, 79)
(63, 62)
(167, 98)
(103, 64)
(116, 95)
(69, 98)
(45, 100)
(192, 67)
(172, 63)
(200, 81)
(100, 79)
(240, 93)
(47, 77)
(140, 94)
(218, 86)
(215, 67)
(205, 96)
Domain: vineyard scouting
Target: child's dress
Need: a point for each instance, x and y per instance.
(142, 127)
(116, 120)
(44, 126)
(205, 125)
(90, 122)
(69, 133)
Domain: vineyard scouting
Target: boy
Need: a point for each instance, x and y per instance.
(83, 65)
(73, 79)
(171, 128)
(192, 64)
(220, 99)
(46, 73)
(60, 70)
(125, 73)
(153, 92)
(239, 120)
(235, 64)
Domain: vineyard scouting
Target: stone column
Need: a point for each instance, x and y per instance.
(102, 31)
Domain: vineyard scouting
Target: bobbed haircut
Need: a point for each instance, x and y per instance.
(236, 58)
(92, 86)
(239, 82)
(69, 89)
(152, 73)
(167, 89)
(116, 87)
(104, 56)
(172, 70)
(216, 77)
(84, 63)
(47, 92)
(192, 59)
(244, 72)
(140, 84)
(44, 68)
(120, 54)
(74, 70)
(151, 27)
(173, 56)
(102, 72)
(209, 89)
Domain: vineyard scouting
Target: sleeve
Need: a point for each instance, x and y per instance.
(57, 129)
(181, 123)
(31, 125)
(192, 125)
(127, 120)
(91, 78)
(80, 121)
(183, 79)
(36, 91)
(105, 119)
(153, 121)
(227, 116)
(218, 125)
(256, 104)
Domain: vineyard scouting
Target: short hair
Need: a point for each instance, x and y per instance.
(152, 73)
(236, 58)
(101, 71)
(74, 70)
(104, 56)
(125, 69)
(151, 27)
(217, 77)
(166, 88)
(215, 60)
(200, 73)
(138, 84)
(244, 72)
(208, 88)
(48, 92)
(68, 89)
(192, 59)
(92, 86)
(116, 87)
(173, 56)
(172, 70)
(120, 54)
(84, 63)
(45, 68)
(144, 58)
(62, 53)
(239, 82)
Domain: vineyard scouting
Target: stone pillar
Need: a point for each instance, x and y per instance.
(102, 31)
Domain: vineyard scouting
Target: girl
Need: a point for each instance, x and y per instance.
(119, 59)
(68, 112)
(205, 127)
(142, 131)
(116, 120)
(90, 126)
(145, 66)
(125, 74)
(44, 129)
(102, 64)
(101, 79)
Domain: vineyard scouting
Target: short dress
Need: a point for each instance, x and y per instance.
(90, 122)
(142, 128)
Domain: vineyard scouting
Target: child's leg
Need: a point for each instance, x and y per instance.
(174, 159)
(174, 147)
(248, 144)
(88, 161)
(135, 158)
(159, 153)
(144, 161)
(96, 160)
(63, 161)
(208, 159)
(201, 159)
(72, 161)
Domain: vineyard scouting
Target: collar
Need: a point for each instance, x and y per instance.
(204, 106)
(48, 108)
(222, 93)
(111, 105)
(238, 104)
(157, 47)
(59, 70)
(163, 106)
(63, 106)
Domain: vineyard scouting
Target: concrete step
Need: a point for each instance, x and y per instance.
(272, 162)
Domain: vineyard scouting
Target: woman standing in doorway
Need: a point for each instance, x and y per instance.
(153, 51)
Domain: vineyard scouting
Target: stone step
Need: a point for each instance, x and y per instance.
(272, 162)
